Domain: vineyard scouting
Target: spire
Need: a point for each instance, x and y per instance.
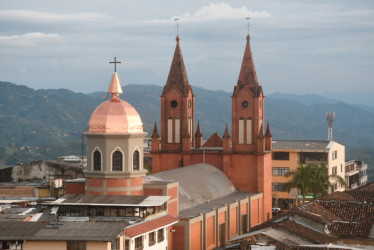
(268, 133)
(226, 134)
(115, 87)
(177, 74)
(198, 130)
(247, 72)
(262, 130)
(155, 132)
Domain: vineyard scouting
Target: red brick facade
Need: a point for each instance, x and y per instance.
(247, 162)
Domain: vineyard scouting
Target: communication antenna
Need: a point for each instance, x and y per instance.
(330, 118)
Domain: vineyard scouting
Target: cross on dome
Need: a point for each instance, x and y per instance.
(115, 64)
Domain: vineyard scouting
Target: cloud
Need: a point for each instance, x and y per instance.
(30, 16)
(219, 11)
(29, 40)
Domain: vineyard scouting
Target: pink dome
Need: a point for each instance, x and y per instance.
(115, 115)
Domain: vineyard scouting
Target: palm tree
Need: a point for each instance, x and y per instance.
(312, 178)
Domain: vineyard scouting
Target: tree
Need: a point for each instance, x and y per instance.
(312, 178)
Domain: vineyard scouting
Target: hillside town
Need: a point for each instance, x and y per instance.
(181, 189)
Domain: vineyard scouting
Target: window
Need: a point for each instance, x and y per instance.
(160, 235)
(334, 154)
(117, 161)
(135, 160)
(115, 245)
(177, 130)
(280, 187)
(334, 170)
(249, 131)
(280, 171)
(283, 156)
(139, 242)
(152, 238)
(170, 130)
(334, 186)
(241, 130)
(127, 244)
(76, 245)
(97, 161)
(341, 167)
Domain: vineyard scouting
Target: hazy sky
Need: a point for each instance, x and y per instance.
(298, 46)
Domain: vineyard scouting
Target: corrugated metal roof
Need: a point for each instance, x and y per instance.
(80, 231)
(110, 200)
(302, 145)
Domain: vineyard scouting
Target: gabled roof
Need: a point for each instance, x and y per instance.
(214, 141)
(177, 74)
(149, 226)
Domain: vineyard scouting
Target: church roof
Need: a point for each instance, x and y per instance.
(115, 115)
(214, 141)
(201, 186)
(247, 75)
(177, 74)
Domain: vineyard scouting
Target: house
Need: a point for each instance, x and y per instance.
(340, 220)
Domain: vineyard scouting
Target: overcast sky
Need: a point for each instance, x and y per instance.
(298, 46)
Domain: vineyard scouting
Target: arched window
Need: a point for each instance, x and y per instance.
(135, 160)
(117, 161)
(97, 161)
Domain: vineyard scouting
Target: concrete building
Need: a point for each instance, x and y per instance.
(288, 155)
(355, 174)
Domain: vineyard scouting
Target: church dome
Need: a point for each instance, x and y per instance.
(115, 115)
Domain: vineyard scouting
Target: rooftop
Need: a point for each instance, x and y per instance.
(315, 146)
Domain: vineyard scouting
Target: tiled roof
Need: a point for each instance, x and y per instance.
(359, 230)
(214, 141)
(305, 232)
(149, 226)
(321, 210)
(18, 230)
(351, 211)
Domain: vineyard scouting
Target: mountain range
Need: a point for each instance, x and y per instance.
(55, 117)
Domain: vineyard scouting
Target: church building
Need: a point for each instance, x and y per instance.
(244, 156)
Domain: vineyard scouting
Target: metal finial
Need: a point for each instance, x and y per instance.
(248, 25)
(177, 19)
(115, 64)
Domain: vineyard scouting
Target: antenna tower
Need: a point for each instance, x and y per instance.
(330, 118)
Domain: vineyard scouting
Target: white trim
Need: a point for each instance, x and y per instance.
(170, 130)
(249, 130)
(241, 130)
(177, 131)
(111, 159)
(101, 159)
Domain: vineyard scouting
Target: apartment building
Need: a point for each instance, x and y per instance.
(289, 154)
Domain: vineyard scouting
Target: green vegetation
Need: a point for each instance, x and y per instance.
(41, 120)
(313, 178)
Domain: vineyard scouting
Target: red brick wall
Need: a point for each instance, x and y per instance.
(196, 236)
(137, 192)
(210, 232)
(243, 209)
(137, 181)
(173, 192)
(173, 208)
(243, 171)
(233, 224)
(117, 193)
(17, 191)
(75, 188)
(222, 217)
(94, 182)
(116, 183)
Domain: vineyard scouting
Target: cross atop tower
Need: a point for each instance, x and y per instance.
(115, 64)
(178, 26)
(248, 25)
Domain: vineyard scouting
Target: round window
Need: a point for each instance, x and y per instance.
(174, 103)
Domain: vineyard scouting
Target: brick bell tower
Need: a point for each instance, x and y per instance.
(248, 108)
(177, 108)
